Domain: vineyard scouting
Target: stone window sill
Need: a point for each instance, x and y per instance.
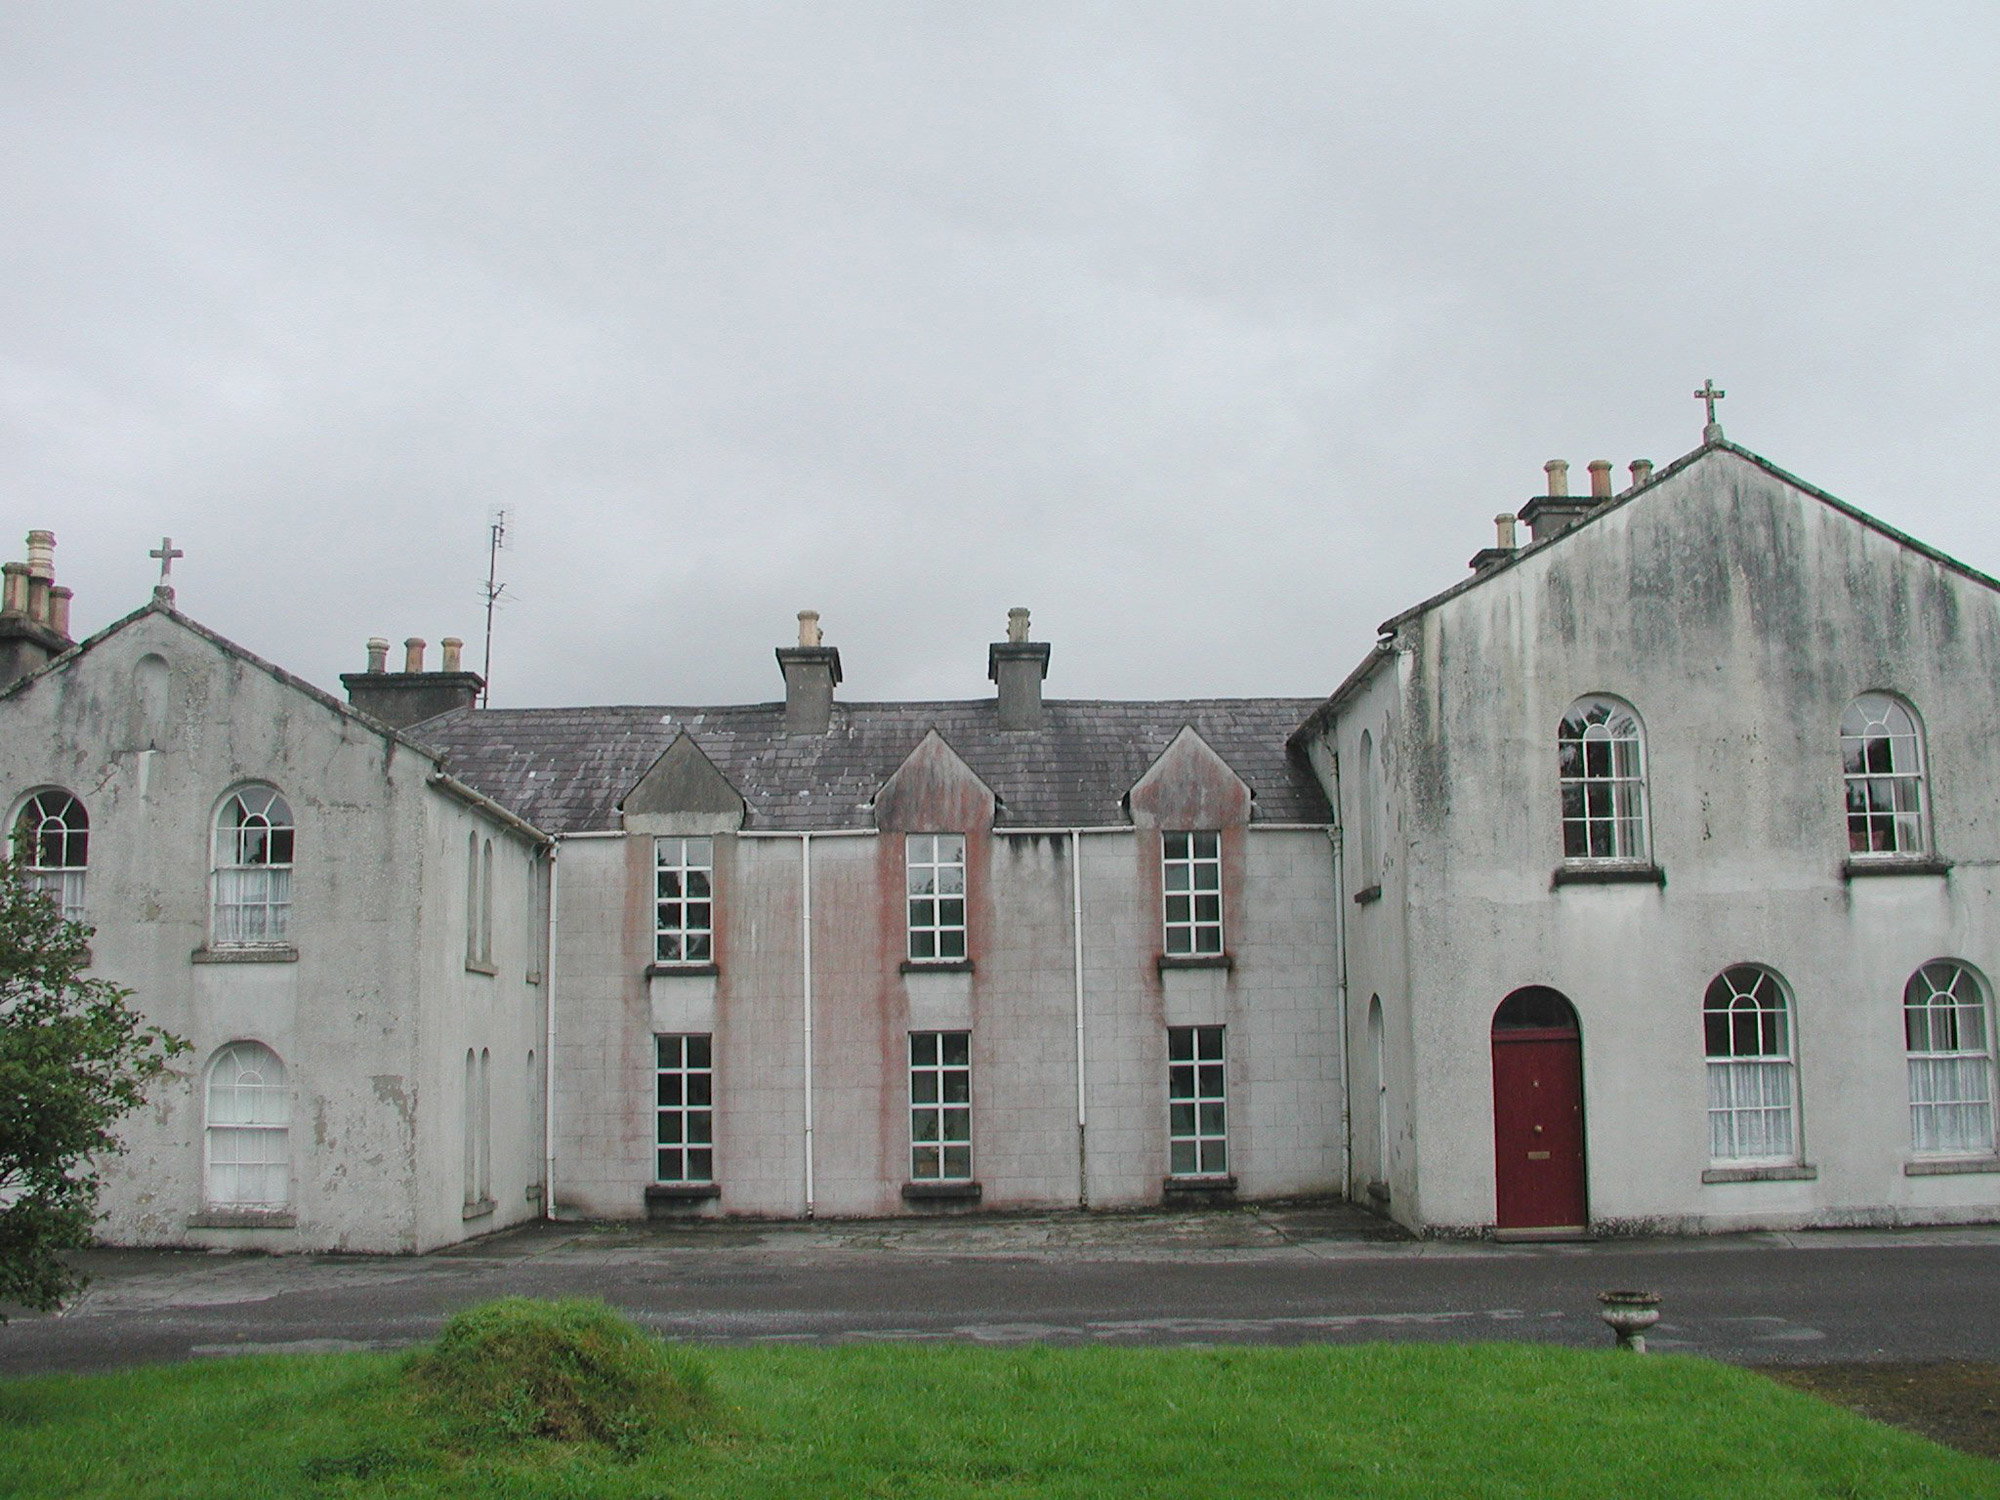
(269, 953)
(942, 1192)
(682, 971)
(533, 976)
(478, 1210)
(1220, 1186)
(1895, 864)
(682, 1192)
(1378, 1193)
(243, 1218)
(1195, 961)
(1585, 872)
(1950, 1166)
(476, 966)
(937, 966)
(1368, 896)
(1777, 1172)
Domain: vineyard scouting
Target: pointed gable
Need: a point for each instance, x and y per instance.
(934, 789)
(683, 786)
(1189, 786)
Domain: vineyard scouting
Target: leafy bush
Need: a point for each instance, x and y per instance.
(571, 1371)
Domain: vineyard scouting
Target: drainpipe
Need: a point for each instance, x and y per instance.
(549, 1049)
(806, 964)
(1082, 1078)
(1340, 998)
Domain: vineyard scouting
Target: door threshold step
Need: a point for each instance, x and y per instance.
(1560, 1233)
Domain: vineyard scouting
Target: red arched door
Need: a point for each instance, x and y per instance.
(1538, 1166)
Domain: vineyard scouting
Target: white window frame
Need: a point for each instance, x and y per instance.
(1948, 1038)
(52, 845)
(940, 1106)
(249, 874)
(684, 1107)
(246, 1154)
(1753, 1092)
(1884, 786)
(1197, 1101)
(1601, 772)
(934, 866)
(683, 900)
(1191, 893)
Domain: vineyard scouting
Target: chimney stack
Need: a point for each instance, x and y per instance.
(1504, 544)
(1559, 510)
(1642, 472)
(34, 611)
(412, 695)
(1018, 666)
(812, 672)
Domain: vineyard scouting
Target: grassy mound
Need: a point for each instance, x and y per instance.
(571, 1371)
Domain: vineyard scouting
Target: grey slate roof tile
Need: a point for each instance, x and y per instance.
(566, 769)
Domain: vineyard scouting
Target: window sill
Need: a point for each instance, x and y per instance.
(1195, 961)
(268, 953)
(1223, 1186)
(243, 1218)
(479, 1210)
(1378, 1194)
(682, 971)
(942, 1192)
(533, 976)
(1368, 896)
(1894, 864)
(1609, 872)
(474, 966)
(1950, 1166)
(937, 966)
(1777, 1172)
(682, 1192)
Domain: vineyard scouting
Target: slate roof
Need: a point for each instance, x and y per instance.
(566, 769)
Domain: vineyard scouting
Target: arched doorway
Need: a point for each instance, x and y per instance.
(1538, 1165)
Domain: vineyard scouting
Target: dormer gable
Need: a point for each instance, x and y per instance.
(934, 789)
(1189, 786)
(683, 792)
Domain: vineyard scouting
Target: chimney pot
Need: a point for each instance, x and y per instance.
(809, 633)
(413, 654)
(1600, 479)
(59, 598)
(453, 646)
(1558, 471)
(1642, 472)
(42, 555)
(1503, 532)
(15, 599)
(378, 654)
(1017, 624)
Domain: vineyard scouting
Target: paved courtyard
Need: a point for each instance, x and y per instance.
(1275, 1274)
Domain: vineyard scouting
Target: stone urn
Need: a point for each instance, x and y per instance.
(1630, 1314)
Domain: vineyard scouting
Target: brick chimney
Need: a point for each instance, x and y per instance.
(1018, 665)
(812, 672)
(34, 611)
(412, 695)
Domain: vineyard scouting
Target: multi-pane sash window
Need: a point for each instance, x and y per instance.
(1951, 1061)
(1602, 756)
(1882, 759)
(936, 865)
(52, 845)
(1197, 1113)
(249, 1128)
(685, 1105)
(1746, 1023)
(684, 901)
(1191, 880)
(253, 867)
(940, 1106)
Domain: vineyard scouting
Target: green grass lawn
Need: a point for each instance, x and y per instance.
(1380, 1420)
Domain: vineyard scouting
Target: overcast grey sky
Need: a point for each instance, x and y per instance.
(1213, 334)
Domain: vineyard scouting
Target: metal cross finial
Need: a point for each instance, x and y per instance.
(1711, 395)
(166, 552)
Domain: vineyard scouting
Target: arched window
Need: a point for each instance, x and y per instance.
(1752, 1101)
(52, 843)
(486, 904)
(1882, 758)
(1370, 843)
(1602, 754)
(253, 867)
(1378, 1054)
(472, 898)
(1951, 1061)
(249, 1128)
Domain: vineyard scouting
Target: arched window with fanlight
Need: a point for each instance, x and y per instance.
(1882, 765)
(1601, 750)
(254, 847)
(1951, 1061)
(52, 847)
(1752, 1090)
(249, 1119)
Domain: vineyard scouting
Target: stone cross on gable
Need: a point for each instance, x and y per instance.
(1708, 393)
(166, 552)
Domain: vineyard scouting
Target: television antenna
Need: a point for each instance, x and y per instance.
(498, 519)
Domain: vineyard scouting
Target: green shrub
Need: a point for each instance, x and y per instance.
(571, 1371)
